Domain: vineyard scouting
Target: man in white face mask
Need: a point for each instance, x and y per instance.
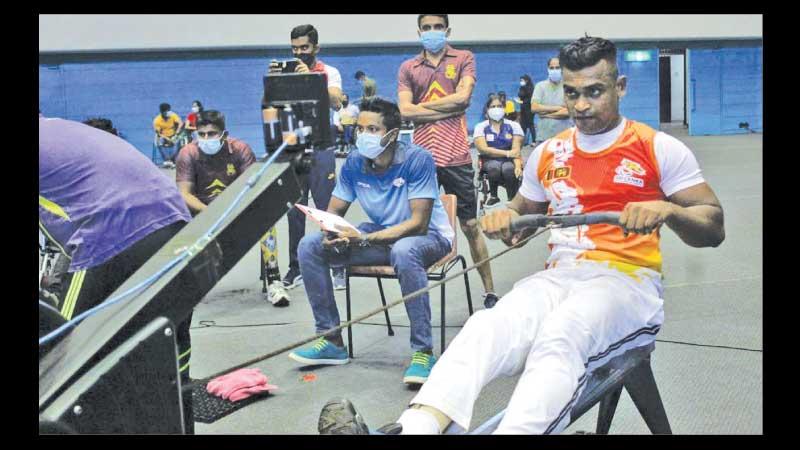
(548, 103)
(207, 166)
(395, 183)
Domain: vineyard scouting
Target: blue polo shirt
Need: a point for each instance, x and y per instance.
(385, 196)
(501, 140)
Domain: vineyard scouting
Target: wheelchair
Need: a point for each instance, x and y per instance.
(52, 267)
(482, 188)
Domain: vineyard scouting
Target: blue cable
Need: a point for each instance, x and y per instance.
(189, 251)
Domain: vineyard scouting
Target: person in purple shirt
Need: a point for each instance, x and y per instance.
(108, 209)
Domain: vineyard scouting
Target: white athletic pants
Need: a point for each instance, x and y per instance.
(554, 327)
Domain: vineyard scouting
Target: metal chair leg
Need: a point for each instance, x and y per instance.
(443, 325)
(385, 311)
(349, 328)
(466, 283)
(608, 405)
(641, 385)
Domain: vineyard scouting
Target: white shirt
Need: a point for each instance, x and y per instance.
(334, 77)
(676, 162)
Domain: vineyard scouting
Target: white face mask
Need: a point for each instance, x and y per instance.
(496, 113)
(210, 146)
(522, 82)
(195, 109)
(369, 145)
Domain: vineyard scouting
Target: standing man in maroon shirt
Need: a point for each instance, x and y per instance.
(434, 90)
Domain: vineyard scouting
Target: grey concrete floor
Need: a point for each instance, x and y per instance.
(713, 297)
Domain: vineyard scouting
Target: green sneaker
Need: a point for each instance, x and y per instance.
(322, 352)
(420, 368)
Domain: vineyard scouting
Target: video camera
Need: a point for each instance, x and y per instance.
(296, 109)
(287, 66)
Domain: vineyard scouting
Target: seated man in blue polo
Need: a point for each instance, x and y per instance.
(395, 183)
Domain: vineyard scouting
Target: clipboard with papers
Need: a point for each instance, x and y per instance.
(325, 220)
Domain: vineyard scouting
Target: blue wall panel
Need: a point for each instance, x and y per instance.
(725, 89)
(641, 99)
(52, 101)
(128, 92)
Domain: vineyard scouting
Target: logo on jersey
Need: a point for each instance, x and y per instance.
(558, 172)
(562, 151)
(397, 182)
(216, 187)
(628, 172)
(231, 169)
(435, 92)
(450, 72)
(364, 185)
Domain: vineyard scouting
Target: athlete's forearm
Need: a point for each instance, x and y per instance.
(538, 108)
(420, 114)
(193, 203)
(457, 102)
(699, 225)
(410, 227)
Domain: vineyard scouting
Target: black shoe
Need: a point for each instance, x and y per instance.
(293, 278)
(392, 428)
(339, 416)
(489, 299)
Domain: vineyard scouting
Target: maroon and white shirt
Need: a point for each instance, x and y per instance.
(212, 174)
(446, 139)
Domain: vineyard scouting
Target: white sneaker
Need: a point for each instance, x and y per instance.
(277, 295)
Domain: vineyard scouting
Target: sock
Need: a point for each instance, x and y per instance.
(417, 421)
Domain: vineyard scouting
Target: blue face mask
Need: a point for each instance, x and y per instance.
(369, 145)
(210, 146)
(433, 40)
(554, 75)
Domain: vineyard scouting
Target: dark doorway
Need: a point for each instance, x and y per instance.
(664, 89)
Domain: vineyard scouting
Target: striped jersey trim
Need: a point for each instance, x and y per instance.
(582, 380)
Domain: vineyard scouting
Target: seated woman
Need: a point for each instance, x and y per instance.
(191, 119)
(499, 142)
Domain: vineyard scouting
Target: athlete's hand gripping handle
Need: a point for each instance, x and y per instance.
(540, 220)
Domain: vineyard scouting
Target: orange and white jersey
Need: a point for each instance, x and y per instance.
(579, 173)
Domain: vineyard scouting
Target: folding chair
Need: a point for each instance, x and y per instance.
(436, 272)
(156, 153)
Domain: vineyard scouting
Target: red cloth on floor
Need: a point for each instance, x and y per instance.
(239, 384)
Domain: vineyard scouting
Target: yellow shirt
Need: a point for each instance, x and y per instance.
(166, 127)
(509, 106)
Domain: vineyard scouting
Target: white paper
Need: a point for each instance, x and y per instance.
(326, 220)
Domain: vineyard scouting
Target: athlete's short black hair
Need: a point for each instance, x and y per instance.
(588, 51)
(164, 107)
(211, 117)
(443, 16)
(386, 108)
(306, 30)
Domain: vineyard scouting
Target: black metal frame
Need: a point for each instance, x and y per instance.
(432, 276)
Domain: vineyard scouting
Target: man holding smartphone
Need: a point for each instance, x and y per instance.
(322, 179)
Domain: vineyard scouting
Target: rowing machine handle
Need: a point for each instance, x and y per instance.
(569, 220)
